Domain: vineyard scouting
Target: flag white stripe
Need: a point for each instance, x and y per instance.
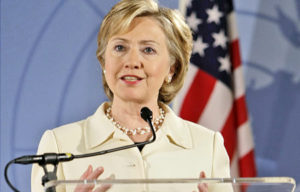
(239, 85)
(190, 76)
(234, 168)
(214, 116)
(182, 6)
(232, 28)
(245, 139)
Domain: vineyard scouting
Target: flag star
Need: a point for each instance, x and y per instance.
(193, 21)
(220, 39)
(225, 64)
(199, 46)
(214, 15)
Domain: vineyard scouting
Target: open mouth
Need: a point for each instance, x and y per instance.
(131, 78)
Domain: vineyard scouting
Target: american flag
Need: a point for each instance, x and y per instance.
(214, 91)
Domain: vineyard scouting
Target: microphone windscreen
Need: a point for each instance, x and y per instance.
(146, 113)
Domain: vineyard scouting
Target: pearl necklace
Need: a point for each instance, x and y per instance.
(140, 130)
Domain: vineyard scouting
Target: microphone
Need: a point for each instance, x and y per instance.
(46, 158)
(55, 158)
(146, 114)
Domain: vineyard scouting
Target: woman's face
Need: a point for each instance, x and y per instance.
(137, 62)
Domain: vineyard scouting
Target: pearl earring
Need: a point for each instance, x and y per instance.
(104, 71)
(169, 79)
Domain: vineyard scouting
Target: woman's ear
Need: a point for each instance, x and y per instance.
(171, 73)
(172, 70)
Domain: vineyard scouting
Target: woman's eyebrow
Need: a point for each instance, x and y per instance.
(120, 39)
(149, 42)
(142, 41)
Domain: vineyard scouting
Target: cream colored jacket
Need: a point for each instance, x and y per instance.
(182, 150)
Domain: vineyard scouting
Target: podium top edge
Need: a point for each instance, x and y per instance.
(259, 180)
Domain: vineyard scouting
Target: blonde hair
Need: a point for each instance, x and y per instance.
(178, 34)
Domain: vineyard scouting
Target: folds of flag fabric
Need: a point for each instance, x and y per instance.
(214, 91)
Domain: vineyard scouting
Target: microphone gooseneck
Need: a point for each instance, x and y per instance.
(55, 158)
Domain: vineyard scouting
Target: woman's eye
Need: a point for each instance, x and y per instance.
(119, 48)
(149, 50)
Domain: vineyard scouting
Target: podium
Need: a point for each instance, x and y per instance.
(257, 184)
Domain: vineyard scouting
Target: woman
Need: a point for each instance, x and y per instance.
(144, 51)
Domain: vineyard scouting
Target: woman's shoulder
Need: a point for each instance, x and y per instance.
(202, 136)
(198, 133)
(73, 133)
(184, 124)
(59, 139)
(198, 130)
(70, 128)
(78, 126)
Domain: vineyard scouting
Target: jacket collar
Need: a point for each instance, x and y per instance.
(98, 129)
(176, 130)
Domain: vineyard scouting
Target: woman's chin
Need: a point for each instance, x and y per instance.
(135, 98)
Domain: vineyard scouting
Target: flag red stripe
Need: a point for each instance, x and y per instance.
(247, 165)
(197, 96)
(241, 110)
(230, 135)
(235, 54)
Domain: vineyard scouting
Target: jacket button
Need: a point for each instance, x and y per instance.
(131, 164)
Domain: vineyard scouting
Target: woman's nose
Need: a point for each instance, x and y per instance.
(133, 60)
